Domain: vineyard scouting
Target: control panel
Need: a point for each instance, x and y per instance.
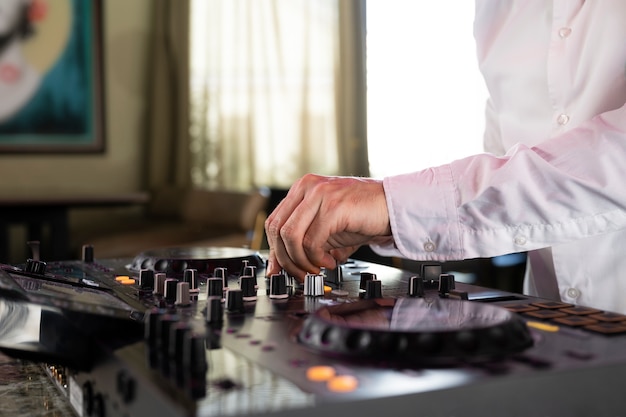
(203, 332)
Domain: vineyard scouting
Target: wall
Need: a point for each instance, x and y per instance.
(127, 27)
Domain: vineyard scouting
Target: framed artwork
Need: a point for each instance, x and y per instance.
(51, 95)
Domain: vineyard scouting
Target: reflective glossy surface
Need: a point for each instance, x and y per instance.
(26, 391)
(416, 330)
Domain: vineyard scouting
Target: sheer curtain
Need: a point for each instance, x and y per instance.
(277, 90)
(167, 143)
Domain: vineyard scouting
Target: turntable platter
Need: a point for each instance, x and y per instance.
(175, 260)
(416, 330)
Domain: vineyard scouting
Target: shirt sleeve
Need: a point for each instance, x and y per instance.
(568, 187)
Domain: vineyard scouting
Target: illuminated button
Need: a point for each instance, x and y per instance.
(565, 32)
(429, 247)
(327, 289)
(520, 240)
(573, 293)
(121, 278)
(543, 326)
(562, 119)
(342, 383)
(320, 373)
(128, 281)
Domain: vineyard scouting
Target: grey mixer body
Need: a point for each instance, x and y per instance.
(202, 332)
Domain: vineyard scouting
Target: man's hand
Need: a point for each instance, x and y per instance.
(323, 220)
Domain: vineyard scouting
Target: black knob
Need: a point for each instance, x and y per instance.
(446, 283)
(195, 365)
(416, 286)
(234, 301)
(170, 290)
(244, 264)
(87, 254)
(373, 289)
(249, 270)
(214, 310)
(146, 280)
(215, 287)
(36, 267)
(151, 322)
(166, 322)
(178, 333)
(248, 288)
(365, 277)
(278, 286)
(190, 276)
(223, 274)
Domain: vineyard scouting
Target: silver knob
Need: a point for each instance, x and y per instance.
(314, 285)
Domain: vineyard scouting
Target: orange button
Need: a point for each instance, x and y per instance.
(128, 281)
(342, 383)
(121, 278)
(320, 373)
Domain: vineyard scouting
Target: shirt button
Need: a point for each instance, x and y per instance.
(565, 32)
(429, 247)
(563, 119)
(573, 293)
(520, 240)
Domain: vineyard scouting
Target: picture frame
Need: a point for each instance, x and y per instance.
(51, 78)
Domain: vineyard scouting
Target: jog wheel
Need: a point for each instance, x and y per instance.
(416, 330)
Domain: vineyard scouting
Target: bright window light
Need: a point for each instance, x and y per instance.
(425, 95)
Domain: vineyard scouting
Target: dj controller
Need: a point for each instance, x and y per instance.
(203, 332)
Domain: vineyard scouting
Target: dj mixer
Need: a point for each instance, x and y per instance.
(203, 332)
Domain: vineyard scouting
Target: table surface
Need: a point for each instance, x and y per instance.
(47, 198)
(26, 391)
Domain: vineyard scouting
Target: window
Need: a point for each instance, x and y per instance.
(425, 94)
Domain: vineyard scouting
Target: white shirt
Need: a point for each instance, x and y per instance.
(553, 182)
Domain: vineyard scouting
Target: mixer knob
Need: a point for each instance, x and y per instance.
(87, 253)
(250, 271)
(183, 299)
(221, 273)
(170, 290)
(248, 288)
(178, 333)
(159, 283)
(214, 310)
(446, 283)
(313, 285)
(244, 264)
(164, 327)
(365, 277)
(334, 275)
(35, 267)
(234, 301)
(416, 286)
(146, 280)
(278, 286)
(151, 335)
(195, 365)
(373, 289)
(190, 276)
(215, 287)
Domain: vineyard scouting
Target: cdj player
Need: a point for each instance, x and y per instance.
(202, 332)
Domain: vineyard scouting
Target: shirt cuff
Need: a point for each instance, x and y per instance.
(423, 216)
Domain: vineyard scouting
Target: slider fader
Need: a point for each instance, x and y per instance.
(203, 332)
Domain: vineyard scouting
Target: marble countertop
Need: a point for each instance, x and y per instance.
(26, 391)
